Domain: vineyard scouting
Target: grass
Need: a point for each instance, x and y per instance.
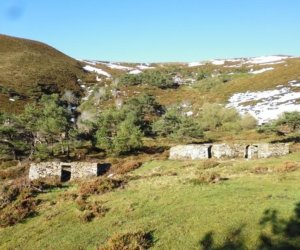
(161, 198)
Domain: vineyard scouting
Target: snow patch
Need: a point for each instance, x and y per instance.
(266, 105)
(143, 66)
(218, 62)
(294, 83)
(96, 70)
(266, 59)
(135, 72)
(260, 71)
(118, 66)
(195, 64)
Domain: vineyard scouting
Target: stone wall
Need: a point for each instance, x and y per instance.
(190, 152)
(77, 169)
(218, 151)
(228, 151)
(276, 149)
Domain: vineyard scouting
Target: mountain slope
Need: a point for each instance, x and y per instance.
(29, 68)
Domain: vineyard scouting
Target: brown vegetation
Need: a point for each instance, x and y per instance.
(206, 178)
(100, 186)
(139, 240)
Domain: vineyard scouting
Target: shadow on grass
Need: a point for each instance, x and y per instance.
(276, 234)
(295, 139)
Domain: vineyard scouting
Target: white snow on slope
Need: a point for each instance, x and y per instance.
(195, 64)
(143, 66)
(218, 62)
(266, 59)
(96, 70)
(91, 62)
(267, 105)
(135, 72)
(118, 66)
(260, 71)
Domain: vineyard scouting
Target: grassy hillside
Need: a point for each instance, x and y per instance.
(29, 68)
(167, 199)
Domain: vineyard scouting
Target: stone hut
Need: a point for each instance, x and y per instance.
(64, 170)
(231, 151)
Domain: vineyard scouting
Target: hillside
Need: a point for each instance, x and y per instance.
(125, 117)
(251, 85)
(29, 69)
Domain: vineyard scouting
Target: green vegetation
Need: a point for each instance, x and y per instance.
(161, 198)
(153, 78)
(129, 121)
(175, 124)
(287, 123)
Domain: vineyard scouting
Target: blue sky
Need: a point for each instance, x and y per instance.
(157, 30)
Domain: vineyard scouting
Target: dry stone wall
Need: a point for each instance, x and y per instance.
(218, 151)
(190, 152)
(75, 169)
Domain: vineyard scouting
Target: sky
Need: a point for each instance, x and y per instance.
(157, 30)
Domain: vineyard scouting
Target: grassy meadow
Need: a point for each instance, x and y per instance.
(165, 198)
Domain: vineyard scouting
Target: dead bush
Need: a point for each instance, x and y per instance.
(210, 164)
(46, 183)
(100, 186)
(15, 190)
(81, 202)
(127, 167)
(68, 196)
(9, 164)
(206, 178)
(90, 210)
(86, 216)
(139, 240)
(12, 173)
(17, 212)
(17, 202)
(260, 170)
(288, 167)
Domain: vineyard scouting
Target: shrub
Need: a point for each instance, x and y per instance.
(260, 170)
(86, 216)
(248, 122)
(127, 167)
(100, 186)
(129, 241)
(46, 183)
(291, 119)
(18, 212)
(12, 173)
(16, 203)
(8, 194)
(90, 210)
(206, 178)
(176, 124)
(214, 116)
(9, 164)
(288, 167)
(210, 164)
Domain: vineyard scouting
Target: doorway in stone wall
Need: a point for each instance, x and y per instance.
(251, 152)
(247, 152)
(209, 152)
(65, 173)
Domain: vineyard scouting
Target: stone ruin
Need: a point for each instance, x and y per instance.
(218, 151)
(65, 170)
